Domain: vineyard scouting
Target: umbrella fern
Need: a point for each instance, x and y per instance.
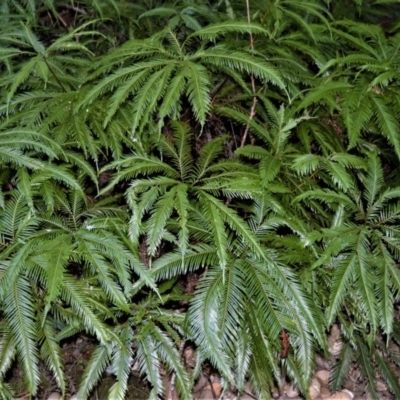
(142, 142)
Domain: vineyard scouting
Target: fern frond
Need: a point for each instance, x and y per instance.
(215, 30)
(51, 352)
(204, 324)
(120, 365)
(74, 293)
(20, 315)
(7, 347)
(94, 370)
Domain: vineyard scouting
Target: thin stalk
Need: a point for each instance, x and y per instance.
(54, 75)
(253, 85)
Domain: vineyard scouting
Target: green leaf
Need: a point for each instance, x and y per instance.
(20, 315)
(94, 370)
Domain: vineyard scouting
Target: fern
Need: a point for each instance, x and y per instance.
(143, 142)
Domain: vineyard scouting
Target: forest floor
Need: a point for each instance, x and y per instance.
(77, 355)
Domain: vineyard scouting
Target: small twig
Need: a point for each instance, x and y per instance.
(62, 20)
(54, 75)
(212, 388)
(253, 84)
(309, 178)
(76, 9)
(217, 88)
(171, 387)
(249, 394)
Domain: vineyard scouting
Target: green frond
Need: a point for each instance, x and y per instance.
(204, 323)
(102, 270)
(365, 279)
(182, 207)
(356, 118)
(208, 154)
(6, 391)
(20, 315)
(171, 103)
(148, 95)
(251, 151)
(236, 224)
(342, 366)
(308, 327)
(306, 163)
(343, 275)
(137, 165)
(196, 257)
(51, 352)
(269, 169)
(57, 253)
(265, 374)
(171, 357)
(386, 122)
(367, 370)
(94, 370)
(242, 117)
(7, 349)
(130, 77)
(388, 374)
(148, 359)
(324, 94)
(242, 359)
(374, 180)
(326, 196)
(74, 293)
(120, 364)
(159, 12)
(241, 61)
(217, 227)
(222, 28)
(339, 175)
(198, 88)
(162, 210)
(122, 256)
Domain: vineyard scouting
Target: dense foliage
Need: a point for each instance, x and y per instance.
(254, 143)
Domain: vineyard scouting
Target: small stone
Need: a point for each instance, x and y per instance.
(323, 376)
(54, 396)
(350, 393)
(381, 386)
(336, 348)
(334, 343)
(216, 384)
(216, 387)
(74, 397)
(228, 395)
(206, 394)
(290, 391)
(322, 363)
(135, 367)
(315, 389)
(354, 375)
(343, 395)
(325, 392)
(276, 394)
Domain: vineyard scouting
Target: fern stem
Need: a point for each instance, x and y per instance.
(253, 85)
(55, 76)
